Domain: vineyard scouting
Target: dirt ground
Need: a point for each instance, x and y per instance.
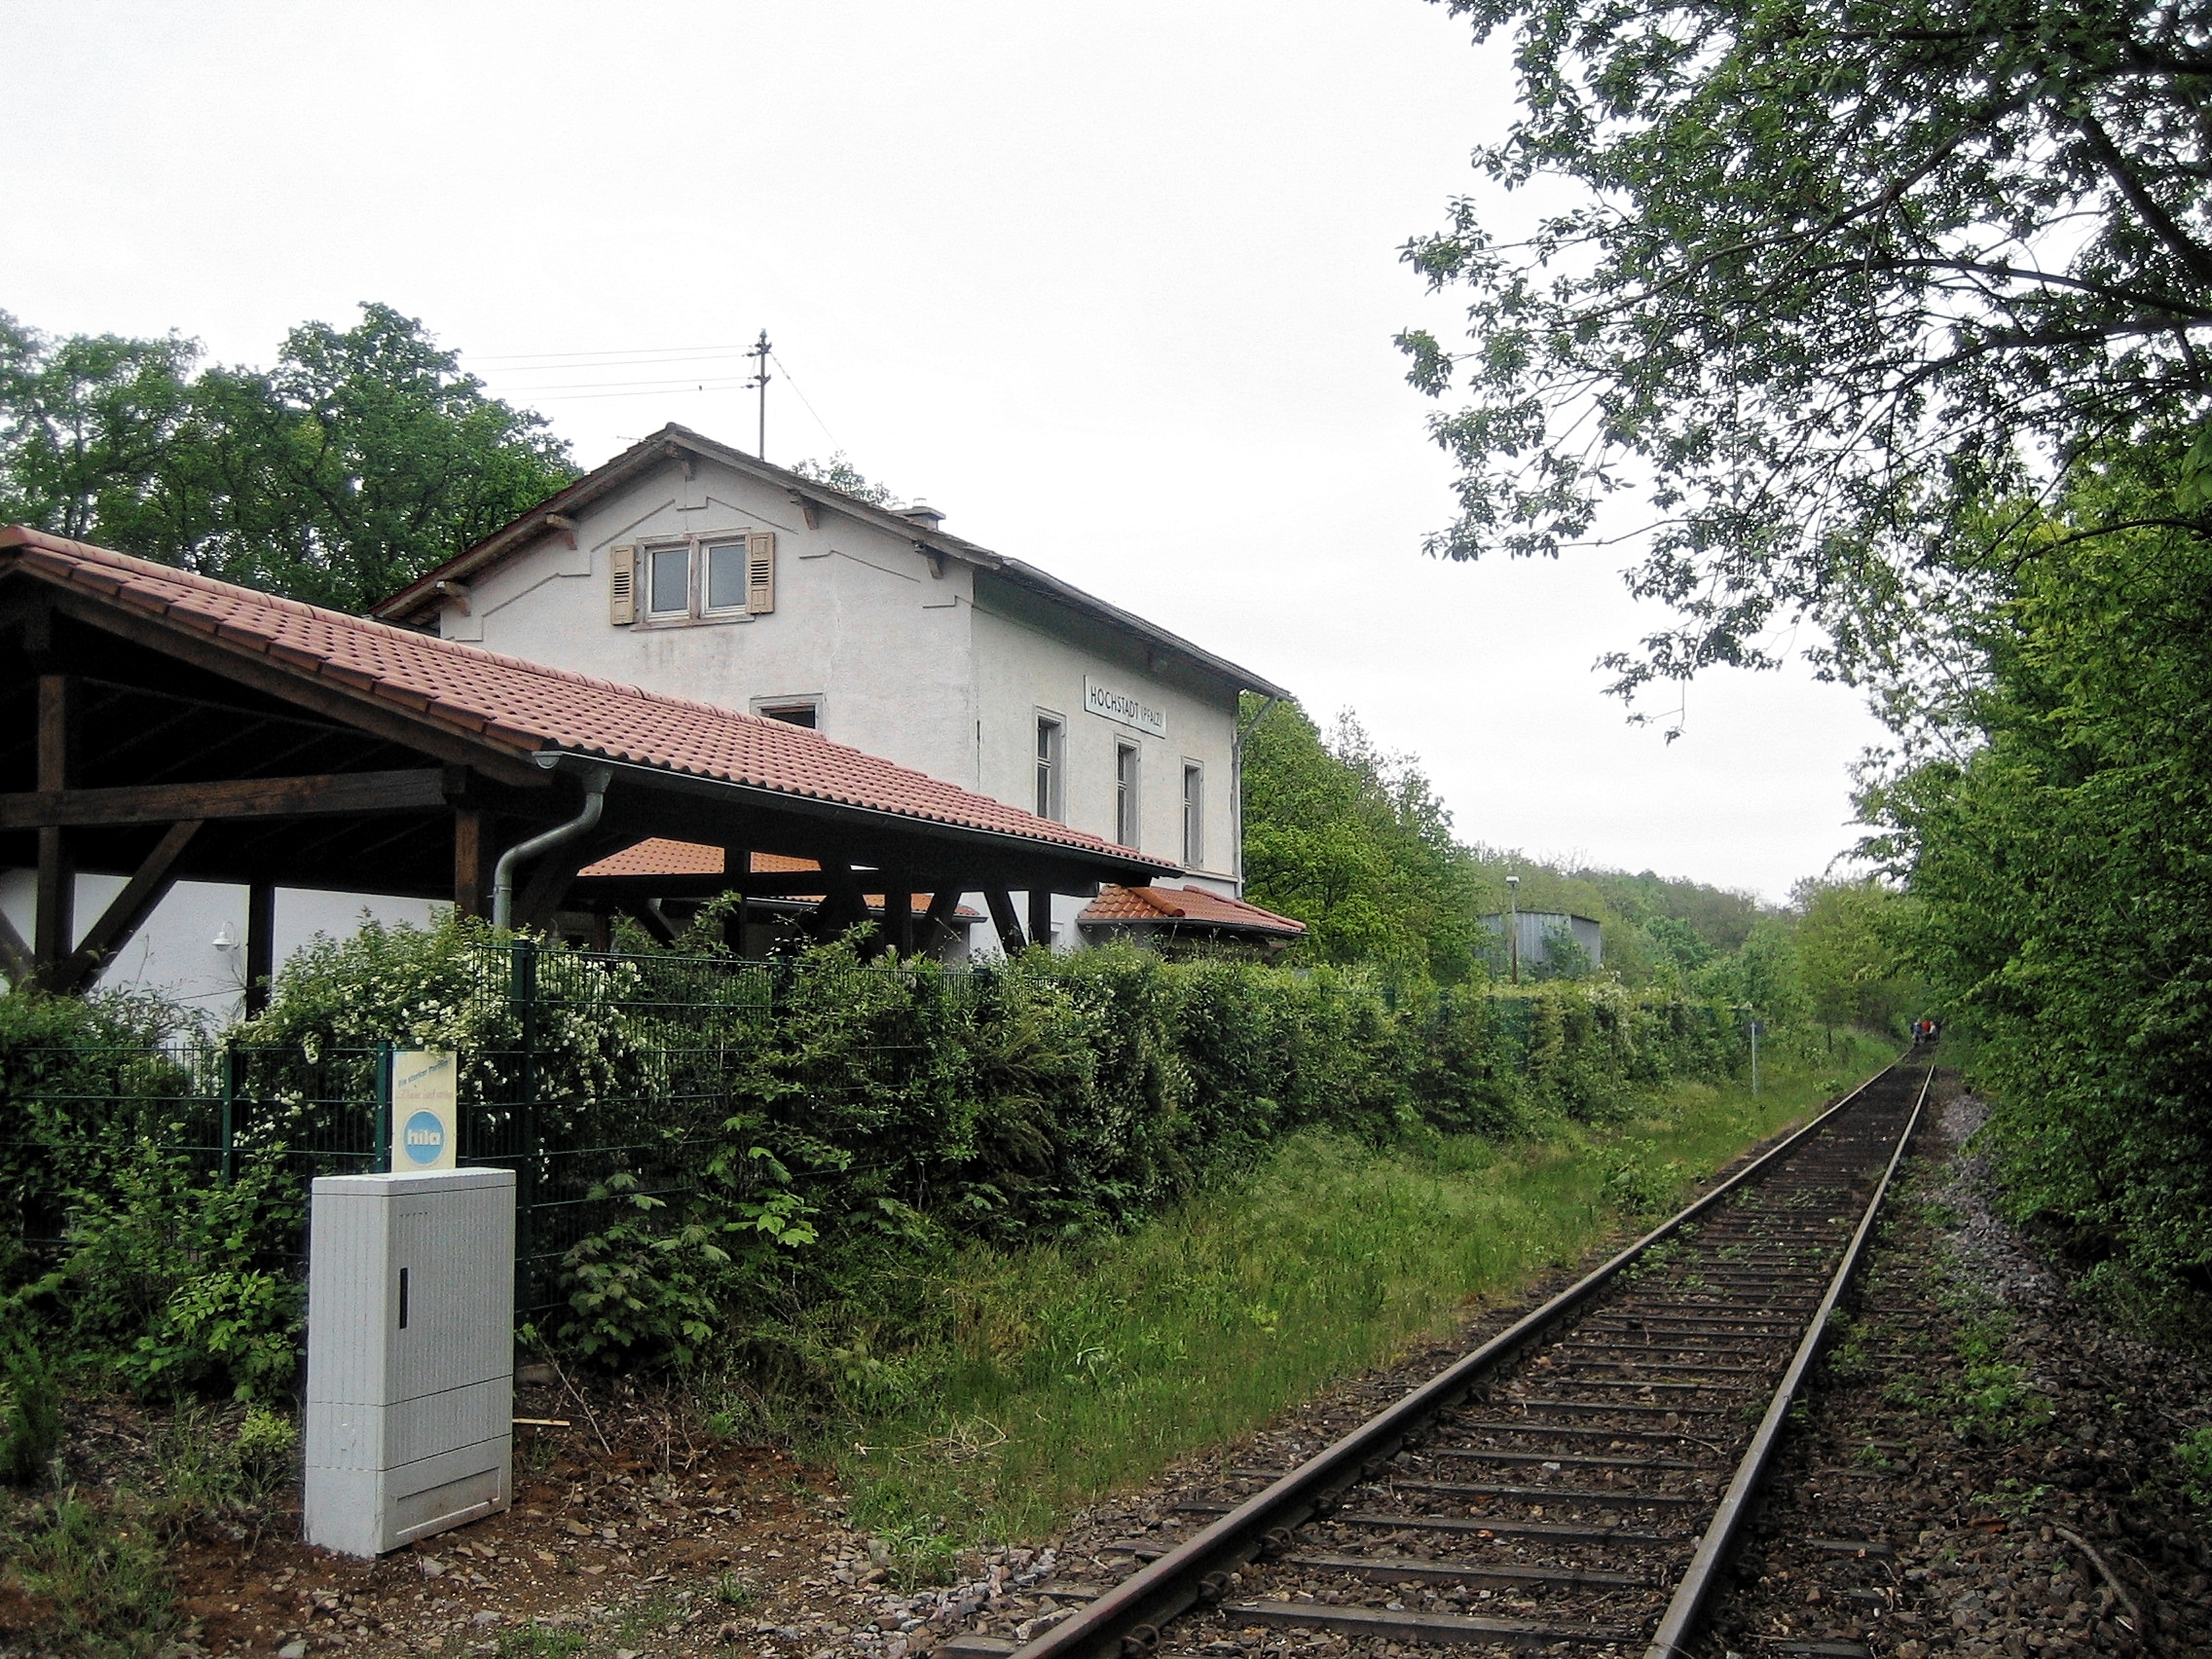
(2004, 1456)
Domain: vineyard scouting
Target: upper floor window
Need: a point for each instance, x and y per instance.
(795, 711)
(1194, 814)
(1127, 825)
(1052, 752)
(668, 587)
(697, 577)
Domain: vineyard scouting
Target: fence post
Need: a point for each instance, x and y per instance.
(228, 1130)
(523, 988)
(380, 1154)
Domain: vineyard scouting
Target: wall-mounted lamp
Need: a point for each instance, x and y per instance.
(223, 940)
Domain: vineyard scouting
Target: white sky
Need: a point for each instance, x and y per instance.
(1113, 286)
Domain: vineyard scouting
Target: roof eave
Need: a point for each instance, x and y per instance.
(422, 595)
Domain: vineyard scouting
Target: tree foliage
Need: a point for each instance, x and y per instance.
(362, 459)
(1824, 281)
(2063, 877)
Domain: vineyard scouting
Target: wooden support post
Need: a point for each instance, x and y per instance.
(602, 931)
(14, 955)
(145, 889)
(1001, 903)
(737, 864)
(468, 863)
(939, 917)
(898, 911)
(549, 882)
(260, 945)
(1041, 915)
(54, 933)
(647, 914)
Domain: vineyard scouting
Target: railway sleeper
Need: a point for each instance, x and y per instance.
(1457, 1629)
(1405, 1569)
(1621, 1497)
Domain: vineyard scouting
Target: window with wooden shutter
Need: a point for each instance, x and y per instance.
(760, 572)
(622, 586)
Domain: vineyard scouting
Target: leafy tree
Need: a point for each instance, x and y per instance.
(1852, 937)
(1824, 282)
(1354, 842)
(2062, 875)
(362, 459)
(840, 475)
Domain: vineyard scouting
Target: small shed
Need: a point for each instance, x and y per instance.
(1537, 929)
(1161, 915)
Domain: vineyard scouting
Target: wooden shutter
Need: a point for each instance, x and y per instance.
(622, 586)
(760, 572)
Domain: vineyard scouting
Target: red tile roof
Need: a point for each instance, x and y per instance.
(1194, 906)
(526, 706)
(659, 856)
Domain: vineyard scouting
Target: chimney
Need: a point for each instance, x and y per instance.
(923, 514)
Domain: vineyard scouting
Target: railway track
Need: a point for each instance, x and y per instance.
(1576, 1483)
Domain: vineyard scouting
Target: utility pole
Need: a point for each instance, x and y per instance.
(1513, 923)
(760, 380)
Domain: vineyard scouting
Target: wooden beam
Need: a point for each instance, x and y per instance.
(122, 918)
(260, 945)
(898, 911)
(1001, 903)
(1041, 915)
(550, 880)
(643, 912)
(247, 665)
(54, 928)
(14, 955)
(469, 866)
(326, 794)
(939, 917)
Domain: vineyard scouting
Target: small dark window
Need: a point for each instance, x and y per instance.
(1194, 813)
(1052, 737)
(1127, 825)
(792, 713)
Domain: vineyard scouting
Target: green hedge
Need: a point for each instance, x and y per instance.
(856, 1119)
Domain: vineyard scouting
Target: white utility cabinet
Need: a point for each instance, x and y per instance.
(410, 1354)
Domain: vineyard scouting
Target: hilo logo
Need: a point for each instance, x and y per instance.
(424, 1138)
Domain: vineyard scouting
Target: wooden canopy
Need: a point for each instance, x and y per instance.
(161, 726)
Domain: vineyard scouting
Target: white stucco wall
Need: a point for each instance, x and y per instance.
(861, 623)
(175, 951)
(906, 664)
(1022, 672)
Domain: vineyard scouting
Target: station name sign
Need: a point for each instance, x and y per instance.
(1123, 708)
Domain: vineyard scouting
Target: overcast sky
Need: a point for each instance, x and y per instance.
(1113, 286)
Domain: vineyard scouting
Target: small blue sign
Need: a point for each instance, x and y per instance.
(425, 1138)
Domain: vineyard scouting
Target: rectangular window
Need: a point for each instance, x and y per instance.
(1194, 814)
(807, 715)
(727, 566)
(1052, 740)
(668, 592)
(1127, 825)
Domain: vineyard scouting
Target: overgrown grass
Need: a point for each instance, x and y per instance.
(1073, 1372)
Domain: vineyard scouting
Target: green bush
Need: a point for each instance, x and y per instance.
(764, 1158)
(30, 1411)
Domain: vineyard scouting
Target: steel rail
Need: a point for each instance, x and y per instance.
(1681, 1617)
(1124, 1623)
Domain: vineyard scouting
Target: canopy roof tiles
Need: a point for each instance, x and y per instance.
(532, 709)
(1192, 908)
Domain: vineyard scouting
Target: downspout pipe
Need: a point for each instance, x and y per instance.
(503, 872)
(1237, 779)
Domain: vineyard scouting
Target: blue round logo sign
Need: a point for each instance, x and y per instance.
(425, 1138)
